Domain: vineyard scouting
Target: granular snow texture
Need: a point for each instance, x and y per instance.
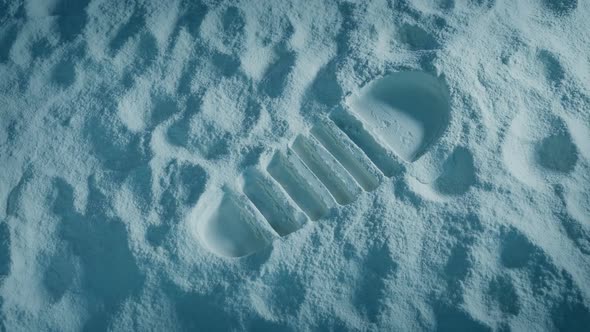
(145, 144)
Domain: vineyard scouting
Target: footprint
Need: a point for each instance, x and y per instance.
(139, 183)
(356, 130)
(331, 173)
(349, 155)
(455, 266)
(459, 250)
(272, 202)
(227, 225)
(343, 155)
(407, 110)
(301, 184)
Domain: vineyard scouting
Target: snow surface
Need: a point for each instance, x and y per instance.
(295, 165)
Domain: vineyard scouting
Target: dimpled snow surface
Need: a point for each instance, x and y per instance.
(301, 165)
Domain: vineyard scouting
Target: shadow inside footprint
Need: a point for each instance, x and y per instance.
(458, 173)
(226, 64)
(553, 69)
(59, 275)
(71, 17)
(64, 73)
(517, 250)
(156, 234)
(164, 107)
(557, 153)
(233, 24)
(7, 39)
(192, 17)
(271, 202)
(110, 272)
(578, 232)
(201, 312)
(115, 146)
(379, 269)
(571, 314)
(182, 185)
(276, 77)
(132, 27)
(450, 318)
(4, 250)
(446, 4)
(503, 291)
(561, 7)
(417, 38)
